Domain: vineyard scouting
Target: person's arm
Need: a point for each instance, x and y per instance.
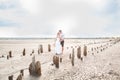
(62, 37)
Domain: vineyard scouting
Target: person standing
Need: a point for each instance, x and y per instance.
(61, 40)
(58, 51)
(58, 48)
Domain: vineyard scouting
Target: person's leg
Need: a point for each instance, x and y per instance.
(62, 44)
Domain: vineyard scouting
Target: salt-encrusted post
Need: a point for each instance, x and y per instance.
(24, 52)
(70, 56)
(7, 56)
(85, 51)
(79, 52)
(22, 72)
(35, 68)
(72, 60)
(10, 54)
(10, 77)
(49, 48)
(19, 77)
(41, 48)
(57, 62)
(38, 51)
(38, 68)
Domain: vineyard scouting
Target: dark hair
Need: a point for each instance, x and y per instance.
(60, 30)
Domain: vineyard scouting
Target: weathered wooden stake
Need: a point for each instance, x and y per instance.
(38, 68)
(85, 51)
(10, 77)
(38, 51)
(3, 56)
(57, 62)
(35, 68)
(60, 59)
(81, 58)
(22, 72)
(24, 52)
(79, 52)
(101, 50)
(41, 48)
(49, 48)
(54, 59)
(32, 66)
(72, 60)
(7, 56)
(30, 54)
(19, 77)
(91, 49)
(10, 54)
(70, 56)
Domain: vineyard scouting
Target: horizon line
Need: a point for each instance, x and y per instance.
(54, 37)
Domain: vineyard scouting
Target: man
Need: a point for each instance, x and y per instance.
(62, 40)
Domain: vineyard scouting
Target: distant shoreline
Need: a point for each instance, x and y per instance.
(54, 38)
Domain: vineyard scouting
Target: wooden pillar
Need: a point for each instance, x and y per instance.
(72, 60)
(38, 51)
(79, 52)
(54, 59)
(3, 56)
(91, 49)
(22, 72)
(81, 58)
(41, 48)
(7, 56)
(24, 52)
(70, 56)
(57, 62)
(60, 59)
(85, 51)
(32, 66)
(35, 68)
(10, 77)
(19, 77)
(38, 68)
(49, 48)
(10, 54)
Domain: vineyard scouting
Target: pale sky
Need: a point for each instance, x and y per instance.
(43, 18)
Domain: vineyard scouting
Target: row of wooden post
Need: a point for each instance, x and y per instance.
(40, 50)
(20, 76)
(72, 56)
(100, 48)
(34, 69)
